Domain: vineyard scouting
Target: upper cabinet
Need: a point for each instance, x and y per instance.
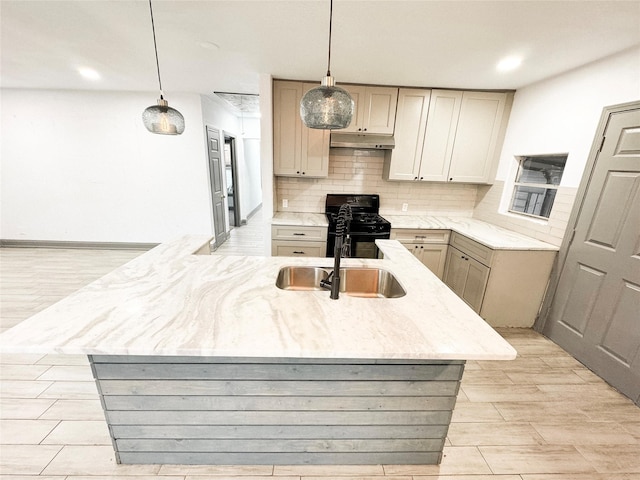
(411, 120)
(457, 138)
(298, 151)
(375, 109)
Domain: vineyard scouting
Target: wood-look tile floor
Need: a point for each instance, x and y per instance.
(249, 239)
(542, 416)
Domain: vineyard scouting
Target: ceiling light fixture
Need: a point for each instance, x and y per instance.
(327, 107)
(509, 63)
(88, 73)
(161, 118)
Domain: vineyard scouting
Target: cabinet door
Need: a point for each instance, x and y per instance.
(411, 119)
(434, 258)
(477, 134)
(375, 109)
(476, 283)
(456, 271)
(315, 148)
(466, 277)
(357, 93)
(380, 110)
(287, 128)
(440, 133)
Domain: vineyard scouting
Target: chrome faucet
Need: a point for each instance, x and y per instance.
(342, 248)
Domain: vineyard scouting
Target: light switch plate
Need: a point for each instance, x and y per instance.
(285, 203)
(405, 207)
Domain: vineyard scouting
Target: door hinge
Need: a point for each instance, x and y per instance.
(573, 234)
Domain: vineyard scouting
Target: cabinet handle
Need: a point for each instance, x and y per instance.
(365, 129)
(451, 179)
(298, 171)
(421, 178)
(359, 129)
(299, 253)
(299, 234)
(415, 178)
(304, 173)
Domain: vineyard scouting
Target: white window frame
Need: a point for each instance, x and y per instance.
(515, 184)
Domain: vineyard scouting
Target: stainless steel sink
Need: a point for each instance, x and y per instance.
(354, 281)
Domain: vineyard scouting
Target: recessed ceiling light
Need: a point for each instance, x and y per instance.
(509, 63)
(89, 73)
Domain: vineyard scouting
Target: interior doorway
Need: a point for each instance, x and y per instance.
(231, 176)
(216, 179)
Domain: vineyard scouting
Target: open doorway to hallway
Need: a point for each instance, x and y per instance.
(231, 176)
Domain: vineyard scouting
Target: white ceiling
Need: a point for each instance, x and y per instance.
(454, 44)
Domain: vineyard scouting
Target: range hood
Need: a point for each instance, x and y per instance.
(353, 140)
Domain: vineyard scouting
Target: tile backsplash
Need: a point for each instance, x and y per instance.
(360, 171)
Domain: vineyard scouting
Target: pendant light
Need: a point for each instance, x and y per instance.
(327, 107)
(161, 118)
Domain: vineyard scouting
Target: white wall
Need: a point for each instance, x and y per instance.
(80, 166)
(266, 154)
(251, 180)
(558, 115)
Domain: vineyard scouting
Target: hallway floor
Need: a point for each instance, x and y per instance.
(542, 416)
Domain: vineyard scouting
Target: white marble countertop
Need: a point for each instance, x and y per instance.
(170, 301)
(485, 233)
(300, 219)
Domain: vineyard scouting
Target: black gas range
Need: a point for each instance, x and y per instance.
(365, 227)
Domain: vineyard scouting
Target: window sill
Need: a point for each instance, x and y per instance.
(526, 218)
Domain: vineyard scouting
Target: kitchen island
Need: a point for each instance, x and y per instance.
(202, 360)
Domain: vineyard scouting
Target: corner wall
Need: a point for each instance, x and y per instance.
(558, 115)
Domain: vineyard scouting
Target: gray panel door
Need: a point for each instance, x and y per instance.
(216, 165)
(595, 313)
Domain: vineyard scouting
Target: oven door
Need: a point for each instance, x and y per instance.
(362, 244)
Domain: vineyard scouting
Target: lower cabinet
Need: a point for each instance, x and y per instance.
(429, 246)
(298, 241)
(467, 277)
(432, 256)
(505, 287)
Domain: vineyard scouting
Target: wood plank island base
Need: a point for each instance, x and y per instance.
(202, 359)
(206, 410)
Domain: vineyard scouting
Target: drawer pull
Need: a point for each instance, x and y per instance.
(299, 234)
(299, 253)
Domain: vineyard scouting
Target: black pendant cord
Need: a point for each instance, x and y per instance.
(330, 20)
(155, 47)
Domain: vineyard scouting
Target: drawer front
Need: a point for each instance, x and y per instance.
(472, 248)
(289, 232)
(298, 249)
(406, 235)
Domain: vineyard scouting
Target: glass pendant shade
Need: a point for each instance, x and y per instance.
(327, 107)
(163, 119)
